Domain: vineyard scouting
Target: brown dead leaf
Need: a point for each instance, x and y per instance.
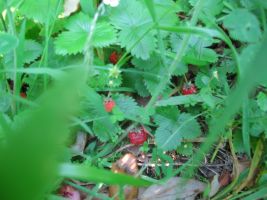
(214, 185)
(175, 188)
(126, 165)
(225, 178)
(70, 6)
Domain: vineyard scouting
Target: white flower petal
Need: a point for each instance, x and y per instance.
(114, 3)
(107, 2)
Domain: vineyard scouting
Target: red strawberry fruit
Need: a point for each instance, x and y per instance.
(109, 105)
(114, 57)
(189, 88)
(138, 137)
(23, 95)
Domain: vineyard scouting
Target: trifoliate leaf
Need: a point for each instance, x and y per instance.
(262, 101)
(243, 25)
(133, 20)
(73, 41)
(42, 11)
(7, 42)
(170, 133)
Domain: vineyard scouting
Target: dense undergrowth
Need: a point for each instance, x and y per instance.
(181, 85)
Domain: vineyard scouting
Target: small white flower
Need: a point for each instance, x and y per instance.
(112, 3)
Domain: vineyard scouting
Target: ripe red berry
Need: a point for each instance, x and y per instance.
(23, 95)
(138, 137)
(109, 105)
(114, 57)
(189, 88)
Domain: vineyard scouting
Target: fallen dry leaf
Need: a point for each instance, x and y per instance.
(126, 165)
(214, 186)
(175, 188)
(225, 178)
(80, 143)
(70, 6)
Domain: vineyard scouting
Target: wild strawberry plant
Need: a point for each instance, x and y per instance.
(182, 77)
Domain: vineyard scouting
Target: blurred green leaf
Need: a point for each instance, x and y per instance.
(42, 11)
(73, 40)
(7, 42)
(87, 173)
(243, 26)
(262, 101)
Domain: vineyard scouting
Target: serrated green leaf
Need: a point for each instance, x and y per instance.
(170, 133)
(32, 50)
(243, 26)
(7, 42)
(210, 7)
(152, 66)
(127, 106)
(73, 41)
(135, 23)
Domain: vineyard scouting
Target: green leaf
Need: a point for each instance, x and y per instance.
(41, 11)
(152, 66)
(133, 20)
(210, 7)
(180, 100)
(7, 42)
(262, 101)
(198, 52)
(238, 142)
(170, 133)
(87, 173)
(185, 149)
(32, 50)
(73, 41)
(127, 106)
(243, 26)
(103, 126)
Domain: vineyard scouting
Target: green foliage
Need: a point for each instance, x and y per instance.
(197, 52)
(55, 78)
(136, 26)
(7, 42)
(243, 25)
(174, 127)
(262, 101)
(73, 41)
(103, 127)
